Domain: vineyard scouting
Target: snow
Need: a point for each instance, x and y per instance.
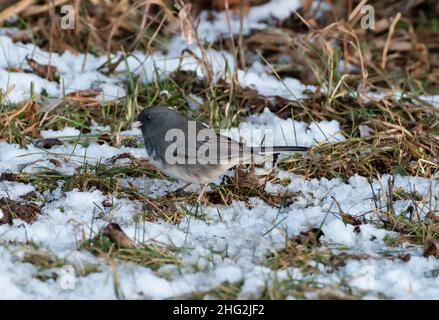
(217, 244)
(365, 131)
(255, 18)
(338, 232)
(65, 132)
(267, 128)
(13, 190)
(226, 243)
(432, 99)
(82, 202)
(72, 155)
(80, 72)
(77, 72)
(399, 280)
(74, 77)
(18, 85)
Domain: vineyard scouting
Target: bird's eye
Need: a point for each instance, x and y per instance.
(148, 117)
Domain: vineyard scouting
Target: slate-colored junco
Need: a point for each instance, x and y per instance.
(190, 151)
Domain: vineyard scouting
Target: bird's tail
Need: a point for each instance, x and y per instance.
(278, 149)
(259, 155)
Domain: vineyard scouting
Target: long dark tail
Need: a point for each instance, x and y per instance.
(279, 149)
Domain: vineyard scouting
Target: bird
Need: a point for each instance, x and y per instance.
(190, 151)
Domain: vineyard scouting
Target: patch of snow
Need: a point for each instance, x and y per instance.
(268, 128)
(77, 72)
(65, 132)
(13, 190)
(365, 131)
(226, 243)
(400, 280)
(338, 232)
(215, 24)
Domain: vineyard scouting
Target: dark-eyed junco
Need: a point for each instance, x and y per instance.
(190, 151)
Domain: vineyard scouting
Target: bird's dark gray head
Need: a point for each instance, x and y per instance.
(155, 115)
(157, 119)
(155, 123)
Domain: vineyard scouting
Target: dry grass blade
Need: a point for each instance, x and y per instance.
(15, 9)
(83, 98)
(149, 255)
(19, 122)
(186, 25)
(431, 248)
(32, 10)
(389, 38)
(106, 25)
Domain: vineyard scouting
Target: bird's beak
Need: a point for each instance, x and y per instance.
(136, 124)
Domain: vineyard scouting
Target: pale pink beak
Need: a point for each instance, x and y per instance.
(136, 124)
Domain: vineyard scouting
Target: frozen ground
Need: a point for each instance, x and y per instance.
(226, 243)
(219, 244)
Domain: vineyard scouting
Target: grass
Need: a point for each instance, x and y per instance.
(414, 225)
(277, 289)
(86, 178)
(46, 262)
(152, 255)
(402, 139)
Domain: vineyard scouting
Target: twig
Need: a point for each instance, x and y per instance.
(389, 37)
(15, 9)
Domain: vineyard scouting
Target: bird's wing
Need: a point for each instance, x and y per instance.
(210, 148)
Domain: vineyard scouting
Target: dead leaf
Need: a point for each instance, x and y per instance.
(309, 238)
(104, 138)
(136, 161)
(83, 98)
(248, 178)
(116, 235)
(106, 203)
(44, 71)
(431, 248)
(8, 176)
(29, 196)
(348, 218)
(405, 257)
(340, 260)
(48, 143)
(88, 93)
(124, 155)
(186, 26)
(57, 163)
(332, 294)
(15, 210)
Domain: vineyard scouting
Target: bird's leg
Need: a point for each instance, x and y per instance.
(202, 193)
